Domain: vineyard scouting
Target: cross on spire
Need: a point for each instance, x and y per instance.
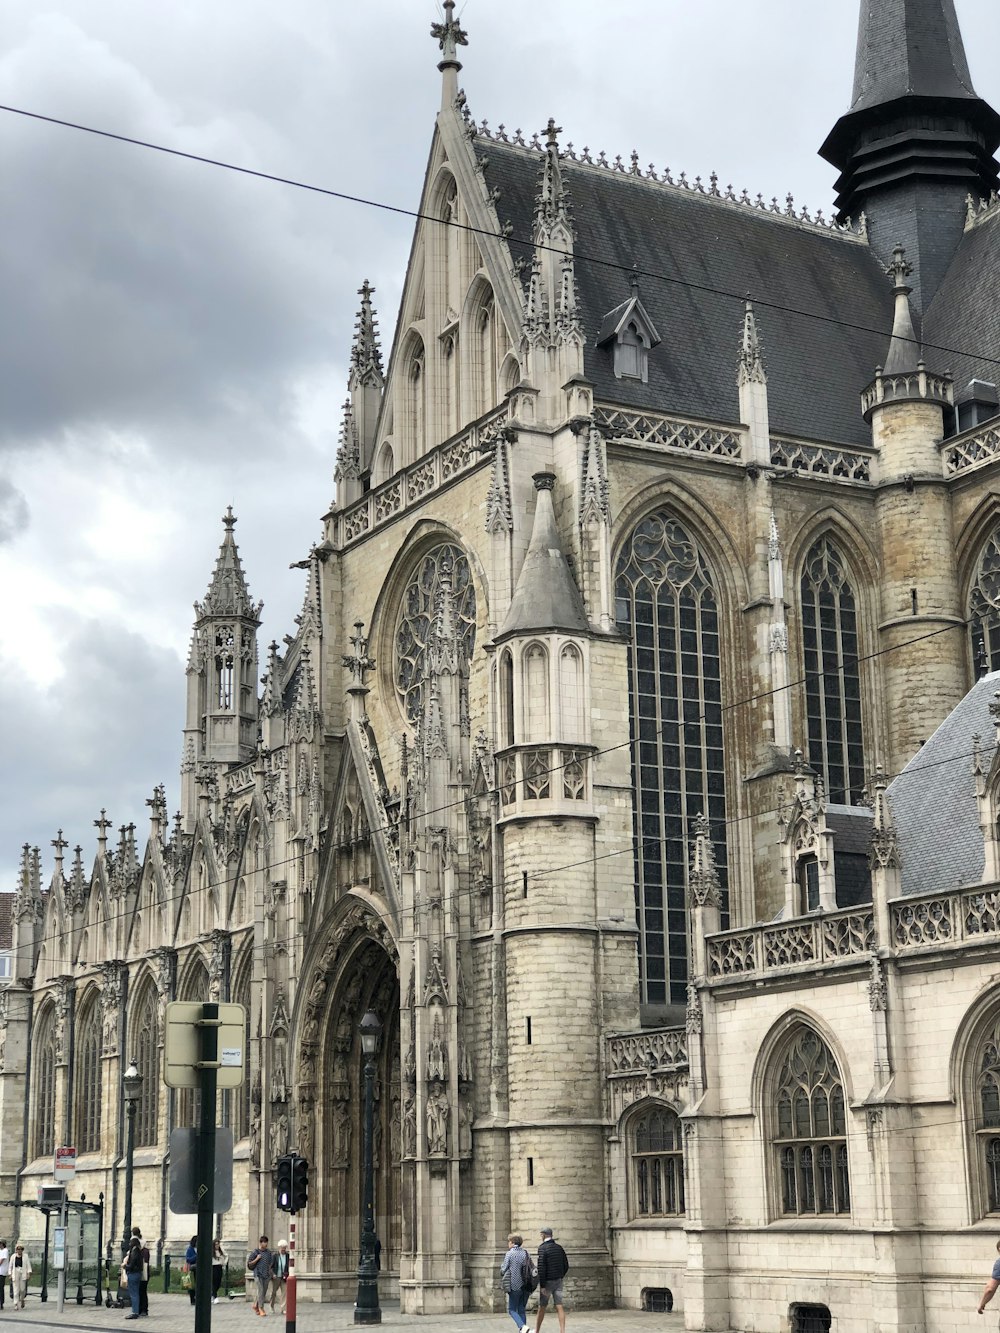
(102, 825)
(449, 34)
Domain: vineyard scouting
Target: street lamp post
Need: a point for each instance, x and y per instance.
(366, 1309)
(132, 1083)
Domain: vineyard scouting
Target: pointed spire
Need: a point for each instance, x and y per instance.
(60, 844)
(348, 452)
(359, 662)
(450, 36)
(77, 881)
(271, 701)
(305, 710)
(884, 851)
(916, 139)
(228, 594)
(703, 877)
(102, 824)
(546, 596)
(366, 354)
(751, 366)
(499, 515)
(552, 202)
(595, 497)
(904, 350)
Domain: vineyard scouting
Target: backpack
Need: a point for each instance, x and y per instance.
(530, 1275)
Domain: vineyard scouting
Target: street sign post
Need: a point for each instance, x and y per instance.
(184, 1170)
(182, 1052)
(64, 1167)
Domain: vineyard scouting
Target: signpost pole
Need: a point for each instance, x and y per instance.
(290, 1284)
(61, 1279)
(209, 1066)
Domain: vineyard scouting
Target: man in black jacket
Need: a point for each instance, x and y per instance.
(552, 1268)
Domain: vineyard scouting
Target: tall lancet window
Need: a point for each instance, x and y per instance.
(984, 609)
(225, 666)
(44, 1120)
(144, 1039)
(666, 604)
(87, 1118)
(833, 680)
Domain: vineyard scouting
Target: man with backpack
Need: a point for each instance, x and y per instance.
(552, 1268)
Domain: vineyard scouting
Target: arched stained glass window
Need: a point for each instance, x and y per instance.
(241, 995)
(416, 617)
(810, 1121)
(144, 1037)
(45, 1085)
(657, 1164)
(988, 1114)
(833, 680)
(984, 609)
(87, 1109)
(665, 603)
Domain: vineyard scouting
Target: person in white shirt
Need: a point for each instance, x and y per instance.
(4, 1269)
(20, 1271)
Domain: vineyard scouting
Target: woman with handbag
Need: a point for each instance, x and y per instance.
(20, 1271)
(514, 1280)
(190, 1267)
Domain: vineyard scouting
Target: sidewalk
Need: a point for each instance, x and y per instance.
(176, 1314)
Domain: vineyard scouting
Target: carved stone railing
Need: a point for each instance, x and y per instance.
(974, 448)
(823, 460)
(412, 485)
(654, 431)
(832, 937)
(536, 778)
(945, 918)
(911, 386)
(653, 1051)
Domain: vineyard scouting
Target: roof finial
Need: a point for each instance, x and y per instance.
(751, 367)
(229, 519)
(366, 354)
(450, 35)
(904, 349)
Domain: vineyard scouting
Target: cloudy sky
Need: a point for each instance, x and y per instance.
(174, 337)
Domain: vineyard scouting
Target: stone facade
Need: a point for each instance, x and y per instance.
(575, 772)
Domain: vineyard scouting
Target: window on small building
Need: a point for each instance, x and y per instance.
(808, 877)
(657, 1163)
(631, 354)
(810, 1121)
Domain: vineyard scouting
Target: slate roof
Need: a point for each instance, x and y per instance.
(933, 801)
(909, 47)
(816, 368)
(965, 313)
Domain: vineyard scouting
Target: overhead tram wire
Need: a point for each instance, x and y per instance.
(582, 257)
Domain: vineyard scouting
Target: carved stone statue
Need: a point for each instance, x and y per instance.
(341, 1134)
(279, 1075)
(255, 1138)
(305, 1131)
(278, 1137)
(410, 1125)
(438, 1113)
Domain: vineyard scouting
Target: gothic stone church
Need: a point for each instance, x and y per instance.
(634, 756)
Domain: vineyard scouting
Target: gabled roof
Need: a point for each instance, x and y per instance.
(616, 320)
(933, 801)
(699, 246)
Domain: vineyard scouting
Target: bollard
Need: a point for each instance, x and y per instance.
(166, 1271)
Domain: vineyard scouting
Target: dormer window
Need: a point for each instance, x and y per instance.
(630, 334)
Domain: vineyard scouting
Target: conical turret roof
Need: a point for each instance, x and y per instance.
(546, 596)
(228, 594)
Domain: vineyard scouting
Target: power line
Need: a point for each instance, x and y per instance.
(417, 215)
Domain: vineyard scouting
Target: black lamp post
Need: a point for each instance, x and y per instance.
(132, 1083)
(366, 1309)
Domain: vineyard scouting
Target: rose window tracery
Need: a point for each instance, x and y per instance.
(420, 600)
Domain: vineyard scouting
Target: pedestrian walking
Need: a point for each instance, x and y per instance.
(261, 1263)
(552, 1268)
(4, 1269)
(219, 1260)
(20, 1271)
(515, 1280)
(990, 1290)
(144, 1276)
(279, 1275)
(133, 1273)
(190, 1269)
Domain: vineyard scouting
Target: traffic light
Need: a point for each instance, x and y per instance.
(283, 1181)
(300, 1184)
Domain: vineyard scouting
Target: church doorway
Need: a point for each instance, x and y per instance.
(365, 979)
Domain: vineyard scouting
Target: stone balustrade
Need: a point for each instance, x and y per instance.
(974, 448)
(833, 937)
(821, 460)
(655, 1051)
(945, 918)
(655, 431)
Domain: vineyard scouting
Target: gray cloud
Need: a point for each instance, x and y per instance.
(14, 513)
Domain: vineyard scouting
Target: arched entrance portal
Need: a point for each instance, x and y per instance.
(364, 978)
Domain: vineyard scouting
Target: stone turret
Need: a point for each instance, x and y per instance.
(221, 722)
(917, 139)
